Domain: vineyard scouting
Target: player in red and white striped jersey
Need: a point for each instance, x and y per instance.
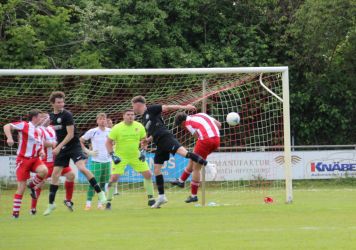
(50, 142)
(206, 130)
(28, 159)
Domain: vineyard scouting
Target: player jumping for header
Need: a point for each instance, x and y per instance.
(163, 138)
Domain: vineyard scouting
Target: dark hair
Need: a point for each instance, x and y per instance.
(180, 118)
(138, 98)
(33, 113)
(56, 94)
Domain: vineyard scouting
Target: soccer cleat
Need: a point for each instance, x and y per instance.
(33, 211)
(160, 201)
(49, 209)
(191, 199)
(151, 202)
(33, 192)
(116, 193)
(101, 207)
(69, 205)
(15, 215)
(177, 183)
(108, 206)
(102, 198)
(87, 207)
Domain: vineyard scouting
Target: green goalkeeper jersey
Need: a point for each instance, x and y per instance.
(127, 138)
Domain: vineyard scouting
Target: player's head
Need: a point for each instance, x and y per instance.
(45, 121)
(57, 100)
(101, 119)
(180, 118)
(139, 104)
(129, 116)
(35, 116)
(109, 123)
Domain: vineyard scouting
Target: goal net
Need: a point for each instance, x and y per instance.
(254, 157)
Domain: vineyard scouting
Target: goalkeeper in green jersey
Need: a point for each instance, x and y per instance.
(127, 136)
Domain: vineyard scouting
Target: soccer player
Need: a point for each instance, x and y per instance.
(28, 156)
(127, 136)
(165, 141)
(68, 148)
(110, 125)
(50, 142)
(101, 160)
(206, 129)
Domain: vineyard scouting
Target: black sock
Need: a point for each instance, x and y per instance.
(150, 196)
(95, 185)
(160, 184)
(196, 158)
(52, 193)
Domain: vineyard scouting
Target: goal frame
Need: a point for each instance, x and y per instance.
(187, 71)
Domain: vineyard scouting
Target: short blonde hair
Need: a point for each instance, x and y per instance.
(100, 115)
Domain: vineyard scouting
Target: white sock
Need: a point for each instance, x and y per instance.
(193, 195)
(180, 180)
(88, 203)
(162, 195)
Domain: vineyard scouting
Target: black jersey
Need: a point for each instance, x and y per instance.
(60, 122)
(153, 122)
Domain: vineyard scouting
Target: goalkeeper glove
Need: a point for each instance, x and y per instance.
(142, 155)
(115, 159)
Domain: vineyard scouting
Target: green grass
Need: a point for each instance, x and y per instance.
(319, 218)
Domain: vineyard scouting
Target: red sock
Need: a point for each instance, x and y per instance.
(185, 175)
(35, 181)
(34, 202)
(194, 187)
(17, 205)
(69, 186)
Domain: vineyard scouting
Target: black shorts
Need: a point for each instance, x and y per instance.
(165, 145)
(74, 152)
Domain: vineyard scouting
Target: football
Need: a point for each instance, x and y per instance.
(233, 119)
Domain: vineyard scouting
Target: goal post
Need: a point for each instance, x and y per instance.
(265, 118)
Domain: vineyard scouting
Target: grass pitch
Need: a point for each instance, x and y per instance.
(319, 218)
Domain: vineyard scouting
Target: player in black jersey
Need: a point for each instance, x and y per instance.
(68, 147)
(163, 138)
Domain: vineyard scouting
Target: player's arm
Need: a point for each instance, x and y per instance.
(7, 130)
(177, 107)
(68, 137)
(82, 140)
(109, 144)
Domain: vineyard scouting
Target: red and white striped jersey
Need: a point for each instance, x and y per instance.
(202, 124)
(30, 139)
(50, 136)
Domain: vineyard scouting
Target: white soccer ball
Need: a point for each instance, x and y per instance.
(233, 119)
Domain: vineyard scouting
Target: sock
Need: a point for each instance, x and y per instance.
(116, 191)
(34, 201)
(160, 184)
(185, 175)
(148, 184)
(52, 193)
(90, 193)
(196, 158)
(95, 185)
(69, 186)
(35, 181)
(111, 190)
(194, 188)
(17, 205)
